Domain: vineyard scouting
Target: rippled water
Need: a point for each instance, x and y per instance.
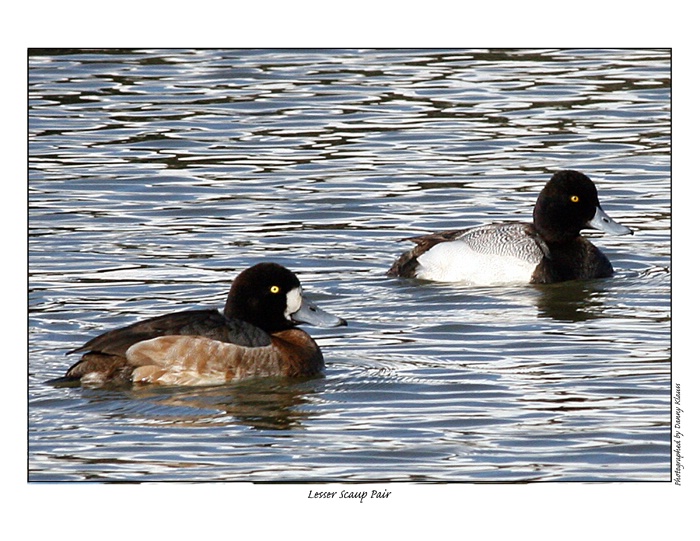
(155, 176)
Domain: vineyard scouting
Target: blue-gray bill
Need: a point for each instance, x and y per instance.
(605, 223)
(313, 315)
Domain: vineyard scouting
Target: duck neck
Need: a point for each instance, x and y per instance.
(554, 225)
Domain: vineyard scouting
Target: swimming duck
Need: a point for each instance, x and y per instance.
(548, 250)
(256, 336)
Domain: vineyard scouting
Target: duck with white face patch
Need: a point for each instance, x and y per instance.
(256, 336)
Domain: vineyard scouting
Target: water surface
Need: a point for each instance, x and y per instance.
(155, 176)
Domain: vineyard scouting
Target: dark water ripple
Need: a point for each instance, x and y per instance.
(155, 176)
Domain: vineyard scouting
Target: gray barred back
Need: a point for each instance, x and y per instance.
(516, 240)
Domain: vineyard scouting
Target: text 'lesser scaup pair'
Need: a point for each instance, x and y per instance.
(548, 250)
(256, 336)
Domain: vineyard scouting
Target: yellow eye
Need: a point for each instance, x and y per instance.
(275, 289)
(574, 198)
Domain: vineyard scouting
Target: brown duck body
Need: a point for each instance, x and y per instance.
(206, 347)
(193, 355)
(192, 360)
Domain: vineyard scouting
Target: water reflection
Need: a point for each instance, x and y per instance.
(267, 403)
(572, 301)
